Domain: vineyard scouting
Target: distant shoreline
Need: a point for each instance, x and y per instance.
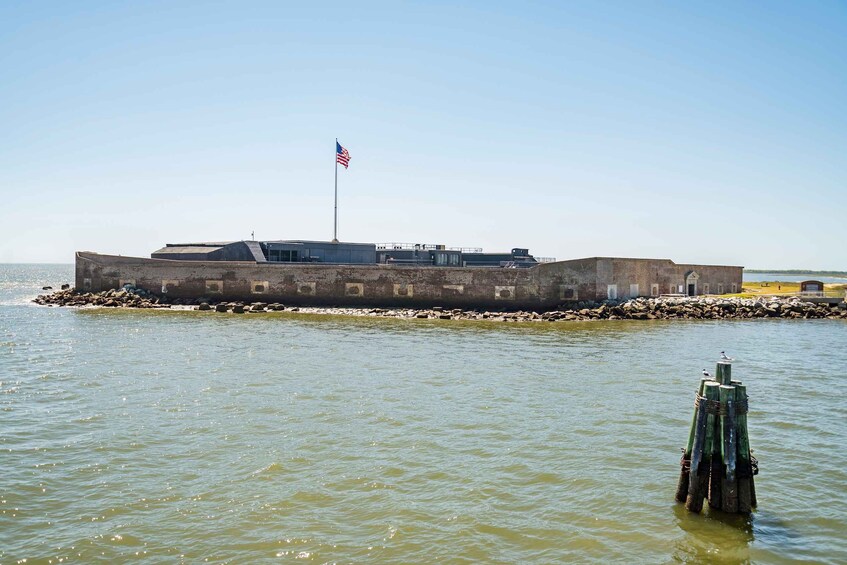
(795, 272)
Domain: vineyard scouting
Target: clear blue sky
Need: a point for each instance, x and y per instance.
(700, 132)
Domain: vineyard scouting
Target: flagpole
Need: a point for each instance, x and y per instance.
(335, 215)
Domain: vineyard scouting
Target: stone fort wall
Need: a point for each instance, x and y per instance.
(541, 287)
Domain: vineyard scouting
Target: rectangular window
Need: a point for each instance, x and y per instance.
(734, 288)
(720, 288)
(633, 290)
(258, 287)
(454, 259)
(612, 292)
(568, 292)
(705, 288)
(654, 289)
(288, 256)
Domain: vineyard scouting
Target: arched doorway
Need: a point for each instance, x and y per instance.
(691, 279)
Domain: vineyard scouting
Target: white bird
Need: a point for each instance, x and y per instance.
(706, 374)
(724, 357)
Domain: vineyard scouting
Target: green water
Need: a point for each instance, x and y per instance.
(188, 437)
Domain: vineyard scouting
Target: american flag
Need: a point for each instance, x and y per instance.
(341, 155)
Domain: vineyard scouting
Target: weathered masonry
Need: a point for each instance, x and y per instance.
(539, 287)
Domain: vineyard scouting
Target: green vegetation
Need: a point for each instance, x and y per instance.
(779, 288)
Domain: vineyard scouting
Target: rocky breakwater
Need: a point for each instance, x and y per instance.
(661, 308)
(693, 308)
(698, 308)
(126, 297)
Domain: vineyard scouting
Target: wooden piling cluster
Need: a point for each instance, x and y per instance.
(716, 464)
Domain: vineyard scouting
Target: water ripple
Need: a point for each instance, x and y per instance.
(174, 438)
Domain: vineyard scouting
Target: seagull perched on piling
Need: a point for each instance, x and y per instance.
(724, 357)
(706, 374)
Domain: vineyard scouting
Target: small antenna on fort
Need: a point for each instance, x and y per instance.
(253, 235)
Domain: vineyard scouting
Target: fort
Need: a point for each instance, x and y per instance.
(352, 274)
